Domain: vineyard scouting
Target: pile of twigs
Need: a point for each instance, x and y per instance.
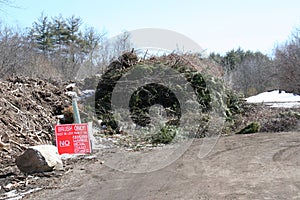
(27, 116)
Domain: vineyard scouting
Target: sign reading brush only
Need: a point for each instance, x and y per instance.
(73, 138)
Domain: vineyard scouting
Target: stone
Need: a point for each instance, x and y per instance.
(40, 158)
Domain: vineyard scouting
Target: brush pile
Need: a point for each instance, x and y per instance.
(28, 110)
(199, 73)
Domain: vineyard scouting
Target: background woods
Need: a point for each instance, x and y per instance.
(253, 72)
(65, 48)
(57, 48)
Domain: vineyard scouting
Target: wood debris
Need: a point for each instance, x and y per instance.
(28, 110)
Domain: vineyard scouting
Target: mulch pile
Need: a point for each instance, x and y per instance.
(28, 110)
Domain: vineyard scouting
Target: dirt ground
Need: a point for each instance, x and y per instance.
(254, 166)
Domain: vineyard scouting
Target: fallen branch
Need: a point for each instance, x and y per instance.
(20, 145)
(12, 105)
(3, 145)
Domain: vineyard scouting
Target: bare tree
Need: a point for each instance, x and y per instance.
(57, 47)
(247, 72)
(111, 49)
(253, 75)
(18, 56)
(287, 62)
(122, 43)
(12, 51)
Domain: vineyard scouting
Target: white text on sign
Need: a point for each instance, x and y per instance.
(64, 143)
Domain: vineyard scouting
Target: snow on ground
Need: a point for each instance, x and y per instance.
(276, 99)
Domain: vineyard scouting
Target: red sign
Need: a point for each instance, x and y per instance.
(72, 139)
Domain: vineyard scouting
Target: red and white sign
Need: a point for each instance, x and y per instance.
(73, 139)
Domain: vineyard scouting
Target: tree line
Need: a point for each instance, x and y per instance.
(247, 72)
(57, 47)
(250, 73)
(63, 48)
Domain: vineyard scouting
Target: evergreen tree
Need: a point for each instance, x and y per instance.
(60, 32)
(41, 34)
(63, 39)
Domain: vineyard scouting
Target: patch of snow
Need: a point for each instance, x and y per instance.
(276, 99)
(14, 195)
(71, 94)
(284, 105)
(71, 85)
(60, 116)
(66, 156)
(86, 93)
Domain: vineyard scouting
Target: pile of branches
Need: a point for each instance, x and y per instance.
(28, 110)
(203, 76)
(270, 119)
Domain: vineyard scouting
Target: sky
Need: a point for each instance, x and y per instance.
(216, 25)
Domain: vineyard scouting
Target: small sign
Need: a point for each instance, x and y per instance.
(73, 138)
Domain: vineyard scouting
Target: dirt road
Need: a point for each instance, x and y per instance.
(256, 166)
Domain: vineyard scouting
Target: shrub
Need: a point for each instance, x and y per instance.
(165, 135)
(250, 128)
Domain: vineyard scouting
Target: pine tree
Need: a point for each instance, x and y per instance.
(41, 34)
(63, 42)
(60, 32)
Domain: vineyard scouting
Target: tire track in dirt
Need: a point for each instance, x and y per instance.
(287, 153)
(258, 166)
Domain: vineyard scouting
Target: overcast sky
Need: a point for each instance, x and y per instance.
(217, 26)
